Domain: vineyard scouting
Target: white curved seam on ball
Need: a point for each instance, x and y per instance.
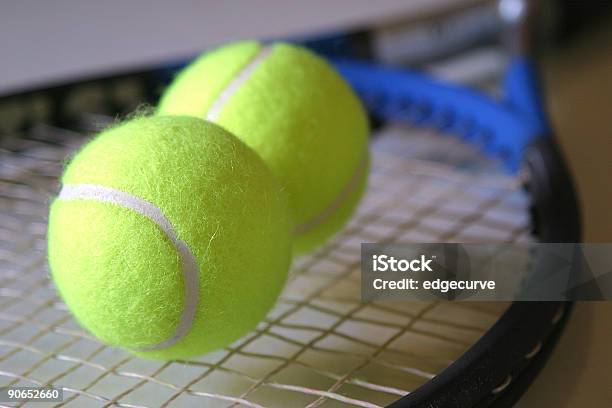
(344, 195)
(215, 111)
(224, 96)
(149, 210)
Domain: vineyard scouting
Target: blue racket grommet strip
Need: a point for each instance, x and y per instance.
(500, 128)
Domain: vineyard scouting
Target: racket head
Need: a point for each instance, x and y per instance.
(321, 344)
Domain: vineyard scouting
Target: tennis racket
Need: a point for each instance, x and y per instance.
(449, 164)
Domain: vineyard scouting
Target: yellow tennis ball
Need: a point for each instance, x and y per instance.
(296, 111)
(169, 237)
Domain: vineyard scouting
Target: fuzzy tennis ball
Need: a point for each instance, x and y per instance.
(170, 237)
(296, 111)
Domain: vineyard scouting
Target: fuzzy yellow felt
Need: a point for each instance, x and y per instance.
(296, 111)
(170, 237)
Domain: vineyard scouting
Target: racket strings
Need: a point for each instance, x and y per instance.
(320, 346)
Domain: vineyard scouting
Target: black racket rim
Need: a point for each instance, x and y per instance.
(500, 366)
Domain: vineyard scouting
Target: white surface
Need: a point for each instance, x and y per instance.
(46, 42)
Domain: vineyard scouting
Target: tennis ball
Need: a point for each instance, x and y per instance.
(296, 111)
(169, 237)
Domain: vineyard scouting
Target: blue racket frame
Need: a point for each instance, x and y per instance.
(500, 128)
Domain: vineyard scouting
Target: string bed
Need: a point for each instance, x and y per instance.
(321, 345)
